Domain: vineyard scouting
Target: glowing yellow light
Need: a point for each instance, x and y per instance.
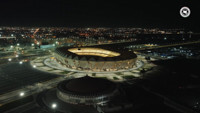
(94, 52)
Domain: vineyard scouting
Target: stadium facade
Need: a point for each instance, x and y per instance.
(95, 59)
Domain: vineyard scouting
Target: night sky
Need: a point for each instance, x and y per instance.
(99, 13)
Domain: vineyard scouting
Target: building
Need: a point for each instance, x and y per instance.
(95, 59)
(86, 91)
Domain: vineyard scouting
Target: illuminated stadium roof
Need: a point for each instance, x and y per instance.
(96, 54)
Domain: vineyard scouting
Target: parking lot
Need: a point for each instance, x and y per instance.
(15, 75)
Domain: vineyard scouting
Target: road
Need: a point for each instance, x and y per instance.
(30, 90)
(16, 78)
(164, 46)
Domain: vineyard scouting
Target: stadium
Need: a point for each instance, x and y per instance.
(86, 90)
(95, 59)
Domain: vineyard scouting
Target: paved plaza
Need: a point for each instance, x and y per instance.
(52, 66)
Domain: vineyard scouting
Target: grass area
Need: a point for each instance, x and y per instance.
(118, 73)
(103, 77)
(128, 77)
(41, 66)
(93, 74)
(51, 70)
(115, 78)
(73, 73)
(64, 72)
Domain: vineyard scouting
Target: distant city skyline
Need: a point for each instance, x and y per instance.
(162, 14)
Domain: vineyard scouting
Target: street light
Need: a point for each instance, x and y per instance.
(20, 62)
(11, 46)
(34, 66)
(18, 44)
(21, 94)
(53, 105)
(32, 44)
(9, 59)
(17, 56)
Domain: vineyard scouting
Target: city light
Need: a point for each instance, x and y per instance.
(20, 62)
(32, 44)
(18, 44)
(9, 59)
(53, 105)
(11, 46)
(21, 94)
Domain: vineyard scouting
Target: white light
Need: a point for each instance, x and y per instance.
(11, 46)
(34, 66)
(18, 44)
(17, 56)
(20, 62)
(53, 44)
(54, 105)
(38, 43)
(12, 35)
(21, 94)
(32, 44)
(9, 59)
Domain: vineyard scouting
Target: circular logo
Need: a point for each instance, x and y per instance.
(185, 12)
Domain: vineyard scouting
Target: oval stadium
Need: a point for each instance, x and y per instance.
(95, 59)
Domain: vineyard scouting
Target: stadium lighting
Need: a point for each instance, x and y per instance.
(20, 62)
(9, 59)
(53, 105)
(21, 94)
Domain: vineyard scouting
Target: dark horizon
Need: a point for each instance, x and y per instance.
(61, 13)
